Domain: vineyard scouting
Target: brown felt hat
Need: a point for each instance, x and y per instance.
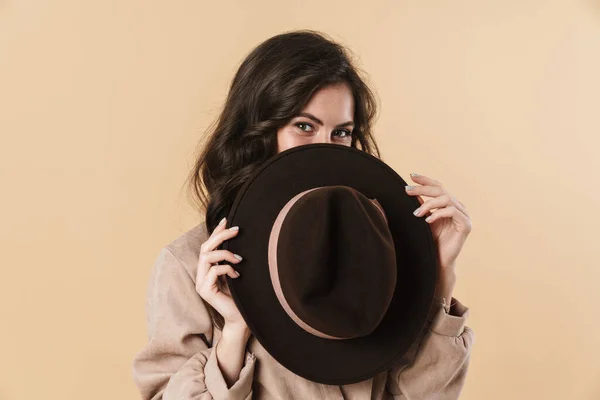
(338, 273)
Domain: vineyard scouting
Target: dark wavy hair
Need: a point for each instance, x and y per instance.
(273, 84)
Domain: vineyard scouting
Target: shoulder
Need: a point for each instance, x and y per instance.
(185, 249)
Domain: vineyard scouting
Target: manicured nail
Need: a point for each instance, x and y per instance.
(428, 218)
(222, 221)
(234, 228)
(238, 257)
(417, 211)
(237, 274)
(408, 187)
(414, 174)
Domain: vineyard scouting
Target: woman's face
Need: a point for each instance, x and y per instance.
(327, 118)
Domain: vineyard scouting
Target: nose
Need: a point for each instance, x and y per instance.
(326, 138)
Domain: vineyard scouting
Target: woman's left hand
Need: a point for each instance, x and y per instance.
(450, 224)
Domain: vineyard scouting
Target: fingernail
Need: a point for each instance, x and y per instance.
(414, 174)
(238, 257)
(417, 211)
(237, 274)
(408, 187)
(234, 228)
(222, 221)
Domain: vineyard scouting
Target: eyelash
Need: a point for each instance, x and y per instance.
(348, 133)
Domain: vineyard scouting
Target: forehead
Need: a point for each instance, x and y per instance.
(334, 101)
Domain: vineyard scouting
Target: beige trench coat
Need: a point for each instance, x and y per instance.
(178, 363)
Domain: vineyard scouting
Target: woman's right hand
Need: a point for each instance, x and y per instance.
(209, 272)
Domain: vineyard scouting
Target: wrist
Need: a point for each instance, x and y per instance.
(230, 351)
(235, 333)
(445, 287)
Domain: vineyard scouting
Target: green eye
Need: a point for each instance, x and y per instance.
(302, 123)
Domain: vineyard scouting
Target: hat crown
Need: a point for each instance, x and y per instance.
(335, 262)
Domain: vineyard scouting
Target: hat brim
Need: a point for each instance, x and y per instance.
(259, 201)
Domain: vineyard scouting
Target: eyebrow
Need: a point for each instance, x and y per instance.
(318, 121)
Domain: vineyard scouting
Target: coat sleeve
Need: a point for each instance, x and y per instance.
(436, 367)
(177, 361)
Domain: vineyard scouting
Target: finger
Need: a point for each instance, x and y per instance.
(459, 205)
(436, 202)
(221, 226)
(217, 270)
(460, 219)
(425, 180)
(421, 202)
(445, 200)
(215, 256)
(433, 189)
(216, 238)
(207, 259)
(208, 286)
(429, 191)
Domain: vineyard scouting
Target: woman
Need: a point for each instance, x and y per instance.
(295, 88)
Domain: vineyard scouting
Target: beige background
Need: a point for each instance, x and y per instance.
(102, 104)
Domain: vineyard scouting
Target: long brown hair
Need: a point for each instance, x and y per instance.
(273, 84)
